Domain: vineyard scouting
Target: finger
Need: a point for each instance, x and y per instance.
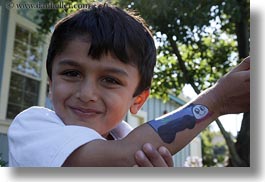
(244, 65)
(243, 76)
(164, 152)
(154, 156)
(142, 160)
(246, 75)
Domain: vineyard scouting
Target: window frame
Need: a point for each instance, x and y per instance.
(14, 20)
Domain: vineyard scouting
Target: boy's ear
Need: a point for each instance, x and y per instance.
(139, 100)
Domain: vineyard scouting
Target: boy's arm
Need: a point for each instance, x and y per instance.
(231, 94)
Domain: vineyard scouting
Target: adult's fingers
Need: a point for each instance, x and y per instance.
(142, 160)
(164, 152)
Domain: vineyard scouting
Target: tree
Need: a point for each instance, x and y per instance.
(198, 42)
(214, 153)
(48, 17)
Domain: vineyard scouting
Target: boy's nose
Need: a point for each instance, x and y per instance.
(87, 92)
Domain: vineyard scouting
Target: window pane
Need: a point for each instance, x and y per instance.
(21, 34)
(30, 100)
(13, 110)
(32, 86)
(35, 39)
(27, 54)
(20, 48)
(23, 93)
(17, 81)
(15, 95)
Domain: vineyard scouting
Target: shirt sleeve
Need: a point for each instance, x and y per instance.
(38, 138)
(121, 131)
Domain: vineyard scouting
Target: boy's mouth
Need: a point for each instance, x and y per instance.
(85, 112)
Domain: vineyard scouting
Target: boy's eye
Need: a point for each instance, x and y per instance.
(71, 73)
(110, 80)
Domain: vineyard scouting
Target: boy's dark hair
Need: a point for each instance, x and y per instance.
(109, 29)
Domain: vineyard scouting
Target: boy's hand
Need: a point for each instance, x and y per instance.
(231, 94)
(150, 157)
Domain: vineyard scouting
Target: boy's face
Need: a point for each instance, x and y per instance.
(92, 93)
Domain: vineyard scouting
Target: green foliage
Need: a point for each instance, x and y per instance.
(189, 31)
(214, 154)
(49, 17)
(166, 77)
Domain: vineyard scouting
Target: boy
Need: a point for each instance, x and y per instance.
(100, 64)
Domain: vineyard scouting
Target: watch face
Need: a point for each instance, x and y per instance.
(199, 111)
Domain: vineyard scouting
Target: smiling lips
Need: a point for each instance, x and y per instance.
(83, 112)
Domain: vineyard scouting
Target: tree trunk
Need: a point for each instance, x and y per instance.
(243, 137)
(243, 140)
(235, 159)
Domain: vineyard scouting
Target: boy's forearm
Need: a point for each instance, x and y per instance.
(179, 132)
(121, 152)
(229, 96)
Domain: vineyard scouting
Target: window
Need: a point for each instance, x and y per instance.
(27, 54)
(26, 71)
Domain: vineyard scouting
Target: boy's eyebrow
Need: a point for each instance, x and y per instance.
(116, 71)
(106, 69)
(68, 62)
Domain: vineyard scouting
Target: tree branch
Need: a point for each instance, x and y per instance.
(236, 160)
(183, 68)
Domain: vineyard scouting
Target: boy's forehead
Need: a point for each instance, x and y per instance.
(78, 49)
(78, 42)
